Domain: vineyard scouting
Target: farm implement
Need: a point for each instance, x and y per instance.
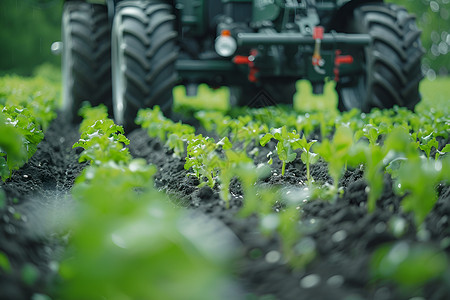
(130, 54)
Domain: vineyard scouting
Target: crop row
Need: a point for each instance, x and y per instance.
(393, 141)
(128, 234)
(26, 110)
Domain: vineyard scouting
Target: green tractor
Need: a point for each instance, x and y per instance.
(129, 54)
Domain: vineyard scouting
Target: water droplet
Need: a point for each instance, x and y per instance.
(398, 253)
(435, 37)
(118, 241)
(270, 222)
(54, 266)
(339, 236)
(10, 229)
(273, 256)
(443, 222)
(380, 227)
(6, 218)
(423, 234)
(382, 293)
(336, 281)
(443, 48)
(397, 226)
(445, 243)
(305, 246)
(431, 75)
(310, 281)
(435, 50)
(434, 6)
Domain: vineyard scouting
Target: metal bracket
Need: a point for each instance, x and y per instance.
(311, 20)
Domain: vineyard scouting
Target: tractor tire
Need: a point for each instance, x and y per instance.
(86, 57)
(392, 62)
(144, 52)
(270, 94)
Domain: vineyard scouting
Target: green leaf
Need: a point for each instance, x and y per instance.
(5, 265)
(265, 139)
(225, 143)
(410, 265)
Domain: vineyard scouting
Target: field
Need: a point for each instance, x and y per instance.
(229, 204)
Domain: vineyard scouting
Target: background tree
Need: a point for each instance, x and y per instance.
(27, 30)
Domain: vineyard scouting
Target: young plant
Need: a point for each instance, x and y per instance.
(101, 139)
(154, 121)
(374, 158)
(417, 179)
(201, 150)
(125, 232)
(427, 143)
(335, 153)
(229, 168)
(369, 131)
(20, 135)
(411, 266)
(287, 143)
(13, 152)
(307, 156)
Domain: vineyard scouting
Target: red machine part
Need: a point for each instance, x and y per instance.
(317, 60)
(250, 62)
(339, 60)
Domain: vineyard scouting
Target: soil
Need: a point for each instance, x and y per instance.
(343, 234)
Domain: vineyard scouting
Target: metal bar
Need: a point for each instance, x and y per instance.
(205, 65)
(254, 39)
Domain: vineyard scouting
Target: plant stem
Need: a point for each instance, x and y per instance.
(308, 176)
(283, 168)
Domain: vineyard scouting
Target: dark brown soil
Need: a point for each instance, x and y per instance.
(343, 233)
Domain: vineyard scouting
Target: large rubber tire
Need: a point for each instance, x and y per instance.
(271, 94)
(86, 59)
(392, 62)
(144, 53)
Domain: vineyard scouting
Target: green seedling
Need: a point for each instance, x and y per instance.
(251, 132)
(154, 121)
(335, 153)
(427, 143)
(409, 265)
(200, 151)
(126, 232)
(287, 143)
(102, 142)
(229, 168)
(444, 151)
(419, 187)
(19, 137)
(370, 132)
(307, 156)
(374, 158)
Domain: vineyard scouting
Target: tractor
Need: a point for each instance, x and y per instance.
(130, 54)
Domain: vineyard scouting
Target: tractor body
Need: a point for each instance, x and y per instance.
(370, 48)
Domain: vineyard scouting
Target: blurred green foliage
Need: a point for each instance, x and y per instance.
(28, 28)
(433, 18)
